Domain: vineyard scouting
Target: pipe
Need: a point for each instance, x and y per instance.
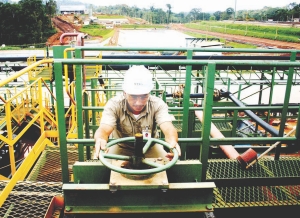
(254, 159)
(197, 95)
(228, 150)
(263, 124)
(79, 42)
(79, 39)
(175, 67)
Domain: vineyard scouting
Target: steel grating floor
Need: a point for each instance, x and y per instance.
(48, 166)
(266, 167)
(31, 198)
(267, 183)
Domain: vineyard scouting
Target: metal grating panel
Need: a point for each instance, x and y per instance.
(265, 167)
(32, 197)
(223, 126)
(29, 199)
(198, 126)
(243, 195)
(256, 196)
(178, 126)
(48, 167)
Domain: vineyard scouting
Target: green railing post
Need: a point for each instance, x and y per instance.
(93, 101)
(234, 123)
(272, 86)
(58, 69)
(86, 124)
(79, 102)
(207, 116)
(186, 102)
(261, 88)
(286, 103)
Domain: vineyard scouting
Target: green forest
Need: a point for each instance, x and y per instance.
(166, 15)
(26, 22)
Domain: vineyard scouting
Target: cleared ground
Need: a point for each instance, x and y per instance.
(242, 39)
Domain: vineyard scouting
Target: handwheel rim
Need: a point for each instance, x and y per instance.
(139, 171)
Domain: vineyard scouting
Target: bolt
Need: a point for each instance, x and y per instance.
(209, 207)
(68, 209)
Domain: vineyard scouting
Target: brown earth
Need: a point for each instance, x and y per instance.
(63, 25)
(242, 39)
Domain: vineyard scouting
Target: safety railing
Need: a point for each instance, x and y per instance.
(33, 102)
(34, 72)
(203, 73)
(29, 105)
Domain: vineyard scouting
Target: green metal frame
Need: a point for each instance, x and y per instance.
(198, 196)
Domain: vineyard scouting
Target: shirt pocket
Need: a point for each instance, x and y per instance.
(126, 130)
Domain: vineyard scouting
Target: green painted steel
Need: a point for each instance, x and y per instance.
(58, 51)
(58, 69)
(98, 199)
(231, 50)
(185, 171)
(186, 102)
(90, 173)
(93, 102)
(177, 62)
(86, 125)
(207, 115)
(92, 191)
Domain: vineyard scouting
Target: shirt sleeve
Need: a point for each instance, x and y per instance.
(162, 113)
(109, 116)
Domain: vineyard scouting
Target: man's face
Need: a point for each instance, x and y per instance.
(137, 103)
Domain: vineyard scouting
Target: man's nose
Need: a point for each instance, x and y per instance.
(138, 101)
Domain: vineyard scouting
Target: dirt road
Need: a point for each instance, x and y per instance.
(243, 39)
(62, 26)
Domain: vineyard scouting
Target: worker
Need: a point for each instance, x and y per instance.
(136, 111)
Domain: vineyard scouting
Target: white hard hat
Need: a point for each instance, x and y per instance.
(137, 80)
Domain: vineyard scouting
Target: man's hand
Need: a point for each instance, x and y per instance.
(175, 145)
(100, 144)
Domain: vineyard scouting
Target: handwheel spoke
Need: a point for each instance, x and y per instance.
(147, 145)
(151, 163)
(157, 167)
(116, 156)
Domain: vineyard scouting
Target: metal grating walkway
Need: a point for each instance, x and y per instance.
(29, 199)
(256, 196)
(48, 167)
(266, 167)
(236, 188)
(267, 183)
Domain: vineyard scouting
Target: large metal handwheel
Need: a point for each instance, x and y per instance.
(156, 166)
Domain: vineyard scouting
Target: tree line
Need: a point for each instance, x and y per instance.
(26, 22)
(160, 16)
(29, 21)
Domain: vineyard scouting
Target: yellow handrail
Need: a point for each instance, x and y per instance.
(66, 75)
